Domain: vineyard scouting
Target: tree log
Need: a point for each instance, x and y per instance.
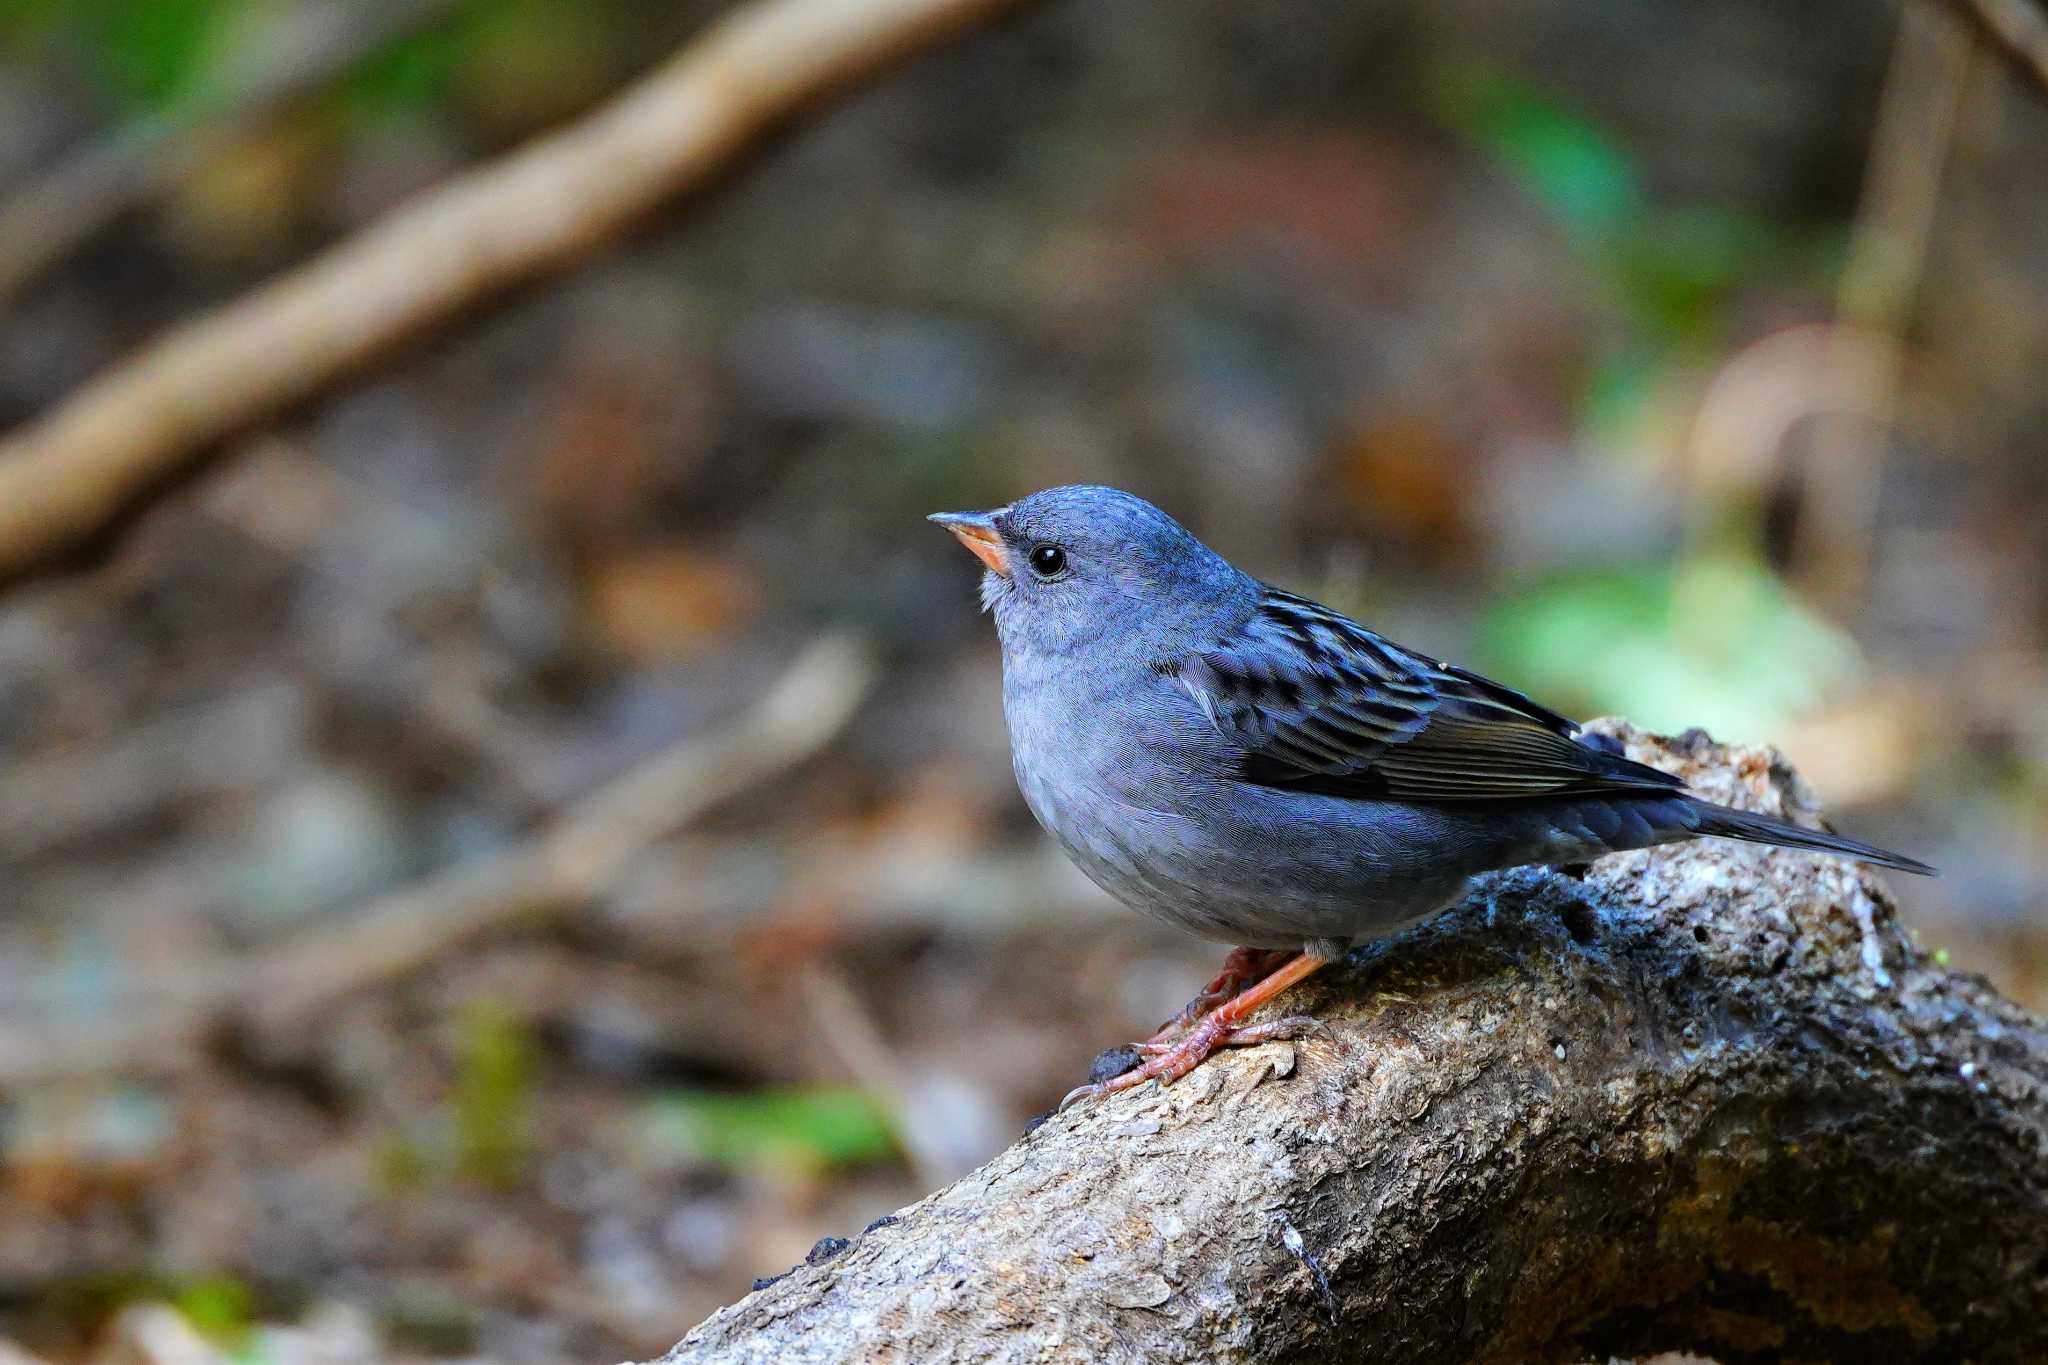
(1707, 1098)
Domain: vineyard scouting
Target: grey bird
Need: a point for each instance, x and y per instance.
(1263, 771)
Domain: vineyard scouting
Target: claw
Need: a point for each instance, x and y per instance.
(1223, 1026)
(1077, 1094)
(1293, 1026)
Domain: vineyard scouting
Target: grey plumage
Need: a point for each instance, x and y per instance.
(1262, 770)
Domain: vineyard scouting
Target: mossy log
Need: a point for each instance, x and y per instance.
(1707, 1098)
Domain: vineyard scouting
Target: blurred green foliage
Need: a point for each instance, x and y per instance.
(400, 1163)
(1684, 265)
(406, 76)
(1582, 171)
(508, 62)
(486, 1130)
(429, 1324)
(1715, 639)
(805, 1129)
(1669, 272)
(497, 1072)
(1749, 654)
(145, 56)
(219, 1307)
(153, 54)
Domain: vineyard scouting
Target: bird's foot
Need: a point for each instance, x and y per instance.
(1168, 1062)
(1247, 1035)
(1240, 969)
(1223, 1026)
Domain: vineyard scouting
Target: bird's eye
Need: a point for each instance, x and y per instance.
(1048, 560)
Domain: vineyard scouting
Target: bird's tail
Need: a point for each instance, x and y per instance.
(1727, 823)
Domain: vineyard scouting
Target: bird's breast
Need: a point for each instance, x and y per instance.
(1114, 768)
(1141, 791)
(1105, 737)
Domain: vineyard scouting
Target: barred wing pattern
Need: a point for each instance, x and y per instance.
(1320, 703)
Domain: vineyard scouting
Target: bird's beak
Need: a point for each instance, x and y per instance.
(977, 531)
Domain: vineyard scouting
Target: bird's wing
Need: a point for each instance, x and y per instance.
(1320, 703)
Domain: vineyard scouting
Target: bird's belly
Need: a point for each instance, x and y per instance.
(1258, 867)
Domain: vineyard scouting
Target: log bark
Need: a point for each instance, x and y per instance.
(1705, 1098)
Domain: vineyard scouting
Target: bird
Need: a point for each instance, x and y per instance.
(1264, 771)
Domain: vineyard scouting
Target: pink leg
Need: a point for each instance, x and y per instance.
(1243, 967)
(1223, 1026)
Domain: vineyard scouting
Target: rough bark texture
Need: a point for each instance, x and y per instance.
(1704, 1097)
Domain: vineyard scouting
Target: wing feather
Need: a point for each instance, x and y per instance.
(1323, 704)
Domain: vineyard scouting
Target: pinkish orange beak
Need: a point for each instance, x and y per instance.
(977, 531)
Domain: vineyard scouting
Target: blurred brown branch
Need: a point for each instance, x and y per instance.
(579, 855)
(574, 859)
(67, 476)
(45, 219)
(1910, 151)
(2020, 27)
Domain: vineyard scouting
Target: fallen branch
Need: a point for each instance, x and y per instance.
(68, 476)
(1704, 1098)
(573, 860)
(563, 866)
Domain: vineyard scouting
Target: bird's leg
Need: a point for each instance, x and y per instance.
(1223, 1026)
(1240, 969)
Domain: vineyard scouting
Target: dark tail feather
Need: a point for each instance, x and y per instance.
(1726, 823)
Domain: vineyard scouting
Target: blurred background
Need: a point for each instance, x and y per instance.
(1678, 361)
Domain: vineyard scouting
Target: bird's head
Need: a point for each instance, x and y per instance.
(1069, 566)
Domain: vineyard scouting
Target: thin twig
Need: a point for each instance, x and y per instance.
(571, 861)
(2020, 28)
(1921, 103)
(578, 856)
(851, 1034)
(150, 769)
(66, 477)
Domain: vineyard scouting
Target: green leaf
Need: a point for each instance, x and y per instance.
(807, 1128)
(1618, 390)
(220, 1308)
(409, 75)
(1680, 267)
(1718, 642)
(1578, 167)
(154, 54)
(497, 1071)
